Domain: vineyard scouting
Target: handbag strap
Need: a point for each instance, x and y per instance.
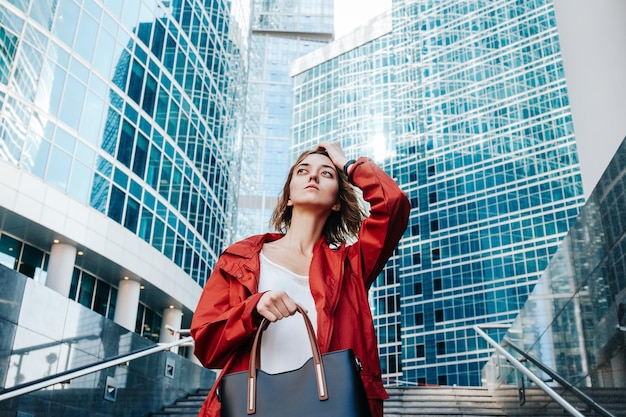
(255, 361)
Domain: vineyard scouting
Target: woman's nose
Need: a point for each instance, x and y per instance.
(313, 175)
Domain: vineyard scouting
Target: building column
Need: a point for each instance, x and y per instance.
(127, 304)
(172, 319)
(61, 268)
(192, 357)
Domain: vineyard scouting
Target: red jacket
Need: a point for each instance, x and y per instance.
(226, 318)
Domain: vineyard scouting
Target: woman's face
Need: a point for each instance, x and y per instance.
(314, 183)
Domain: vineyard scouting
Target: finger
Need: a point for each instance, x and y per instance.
(334, 151)
(284, 306)
(290, 305)
(269, 315)
(265, 307)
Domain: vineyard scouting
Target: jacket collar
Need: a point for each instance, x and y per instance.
(326, 271)
(250, 247)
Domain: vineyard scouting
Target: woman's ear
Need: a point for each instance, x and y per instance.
(289, 203)
(336, 206)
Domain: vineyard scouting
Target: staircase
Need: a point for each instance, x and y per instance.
(441, 401)
(186, 407)
(453, 401)
(539, 404)
(421, 401)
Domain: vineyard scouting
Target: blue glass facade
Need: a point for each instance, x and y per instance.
(130, 110)
(465, 105)
(281, 32)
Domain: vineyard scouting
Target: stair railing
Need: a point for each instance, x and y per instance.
(590, 402)
(68, 375)
(520, 367)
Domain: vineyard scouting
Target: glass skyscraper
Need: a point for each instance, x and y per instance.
(282, 30)
(465, 104)
(119, 147)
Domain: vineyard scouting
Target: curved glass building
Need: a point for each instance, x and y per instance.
(119, 149)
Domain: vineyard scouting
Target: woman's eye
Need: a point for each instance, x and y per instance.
(301, 171)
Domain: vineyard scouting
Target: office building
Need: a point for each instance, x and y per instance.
(118, 150)
(573, 322)
(281, 31)
(465, 104)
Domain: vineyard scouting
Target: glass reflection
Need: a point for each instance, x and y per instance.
(574, 320)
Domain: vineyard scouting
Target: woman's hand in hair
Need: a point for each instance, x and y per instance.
(276, 305)
(335, 153)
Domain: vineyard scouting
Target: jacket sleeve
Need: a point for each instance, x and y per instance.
(219, 324)
(382, 229)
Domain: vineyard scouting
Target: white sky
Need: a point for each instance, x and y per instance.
(352, 13)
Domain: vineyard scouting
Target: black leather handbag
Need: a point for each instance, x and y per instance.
(327, 385)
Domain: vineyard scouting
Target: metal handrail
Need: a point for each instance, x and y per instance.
(533, 377)
(590, 402)
(66, 376)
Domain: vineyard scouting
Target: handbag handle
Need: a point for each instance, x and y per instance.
(255, 361)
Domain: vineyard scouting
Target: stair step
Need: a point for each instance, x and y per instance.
(453, 402)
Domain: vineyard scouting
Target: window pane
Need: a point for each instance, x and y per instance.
(58, 168)
(101, 300)
(72, 102)
(85, 293)
(31, 261)
(79, 182)
(132, 215)
(116, 204)
(9, 251)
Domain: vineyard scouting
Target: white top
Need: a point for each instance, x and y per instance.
(285, 344)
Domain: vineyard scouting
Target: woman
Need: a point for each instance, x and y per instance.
(309, 264)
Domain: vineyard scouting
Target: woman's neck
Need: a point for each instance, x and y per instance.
(304, 232)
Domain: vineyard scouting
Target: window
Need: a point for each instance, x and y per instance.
(417, 258)
(420, 351)
(438, 316)
(86, 290)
